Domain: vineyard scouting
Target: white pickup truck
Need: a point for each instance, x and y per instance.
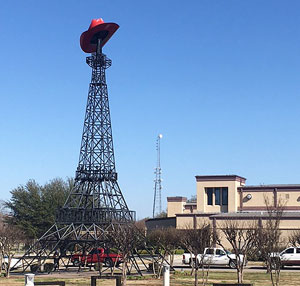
(14, 263)
(213, 256)
(289, 256)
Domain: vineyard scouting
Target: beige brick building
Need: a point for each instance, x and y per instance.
(227, 197)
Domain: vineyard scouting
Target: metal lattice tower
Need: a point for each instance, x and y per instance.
(95, 209)
(96, 196)
(157, 181)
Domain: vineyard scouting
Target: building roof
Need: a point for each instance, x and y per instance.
(160, 218)
(220, 178)
(263, 214)
(176, 199)
(191, 204)
(272, 186)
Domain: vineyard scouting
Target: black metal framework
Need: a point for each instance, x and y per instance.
(96, 197)
(95, 278)
(95, 207)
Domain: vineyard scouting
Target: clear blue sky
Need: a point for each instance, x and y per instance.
(219, 79)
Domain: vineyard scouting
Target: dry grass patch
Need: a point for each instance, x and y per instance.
(177, 279)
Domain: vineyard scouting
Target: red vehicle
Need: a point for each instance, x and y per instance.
(97, 255)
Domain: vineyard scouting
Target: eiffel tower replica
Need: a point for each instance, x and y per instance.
(95, 209)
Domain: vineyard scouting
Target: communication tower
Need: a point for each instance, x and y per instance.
(157, 181)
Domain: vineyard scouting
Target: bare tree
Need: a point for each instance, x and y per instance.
(127, 238)
(1, 252)
(156, 238)
(294, 238)
(243, 240)
(170, 240)
(195, 240)
(141, 225)
(10, 237)
(269, 240)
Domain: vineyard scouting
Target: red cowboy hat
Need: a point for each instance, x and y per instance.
(97, 29)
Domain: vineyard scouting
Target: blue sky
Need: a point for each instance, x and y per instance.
(219, 79)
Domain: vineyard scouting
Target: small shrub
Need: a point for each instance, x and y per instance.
(144, 251)
(35, 268)
(155, 266)
(98, 266)
(48, 267)
(179, 251)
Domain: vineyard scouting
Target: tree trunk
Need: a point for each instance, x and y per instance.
(239, 275)
(124, 272)
(172, 258)
(192, 263)
(160, 266)
(272, 279)
(196, 272)
(1, 261)
(205, 274)
(8, 267)
(196, 277)
(275, 277)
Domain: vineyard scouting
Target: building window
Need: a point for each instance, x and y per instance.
(220, 196)
(209, 192)
(217, 196)
(225, 196)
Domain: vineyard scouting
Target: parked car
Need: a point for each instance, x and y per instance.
(213, 256)
(97, 255)
(14, 263)
(289, 257)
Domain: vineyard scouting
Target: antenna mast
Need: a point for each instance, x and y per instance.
(157, 181)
